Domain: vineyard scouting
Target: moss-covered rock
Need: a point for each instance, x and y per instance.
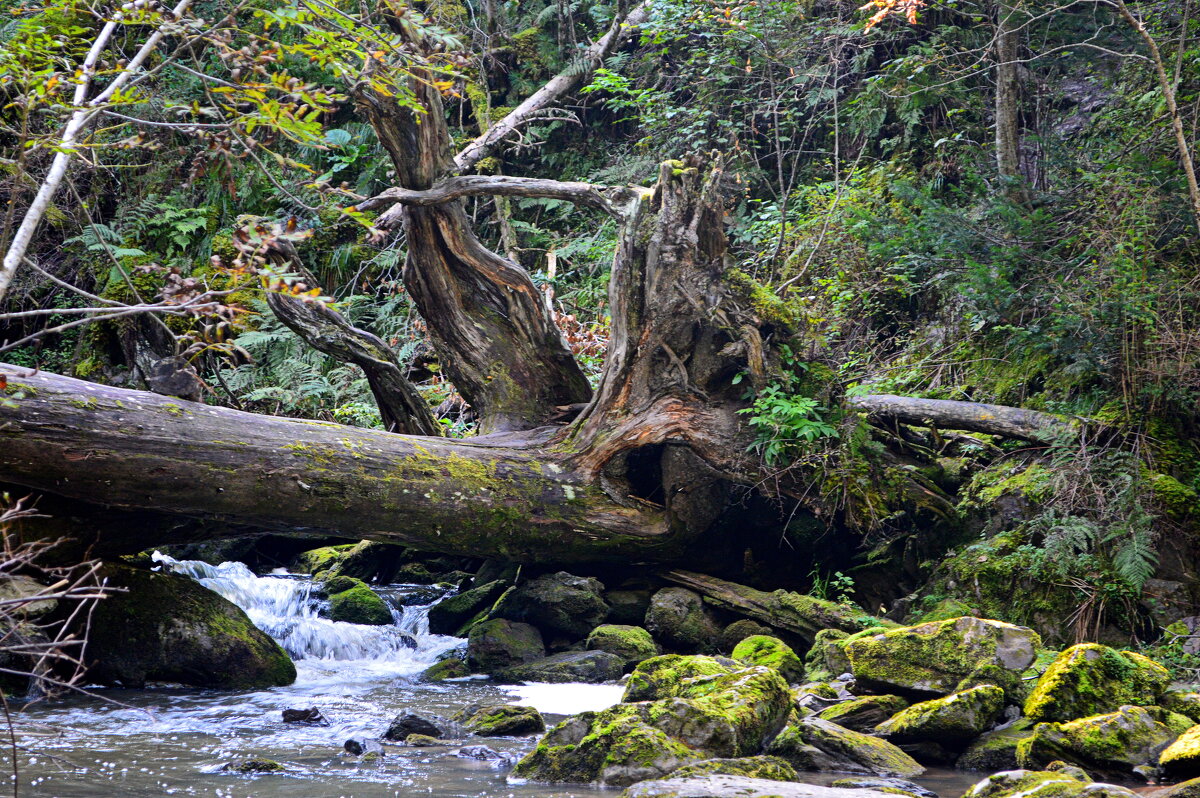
(559, 604)
(449, 668)
(953, 722)
(826, 659)
(315, 561)
(170, 628)
(755, 767)
(422, 740)
(1090, 679)
(726, 786)
(815, 744)
(1184, 789)
(500, 720)
(942, 657)
(589, 667)
(680, 620)
(453, 615)
(1111, 745)
(865, 713)
(1181, 759)
(1184, 702)
(661, 677)
(892, 786)
(627, 607)
(770, 652)
(247, 766)
(730, 714)
(632, 644)
(499, 644)
(996, 750)
(1041, 784)
(423, 723)
(739, 630)
(351, 601)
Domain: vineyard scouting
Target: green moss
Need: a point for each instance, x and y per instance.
(352, 601)
(501, 720)
(1113, 743)
(847, 713)
(1179, 501)
(770, 652)
(660, 677)
(771, 768)
(765, 302)
(633, 644)
(1181, 759)
(452, 668)
(996, 750)
(952, 721)
(314, 561)
(1089, 679)
(841, 746)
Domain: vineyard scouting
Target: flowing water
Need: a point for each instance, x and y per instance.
(164, 741)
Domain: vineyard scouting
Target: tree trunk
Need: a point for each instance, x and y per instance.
(1010, 422)
(487, 321)
(1008, 103)
(640, 476)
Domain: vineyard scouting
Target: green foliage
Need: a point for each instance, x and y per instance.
(784, 423)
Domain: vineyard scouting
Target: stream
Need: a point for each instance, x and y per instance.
(169, 741)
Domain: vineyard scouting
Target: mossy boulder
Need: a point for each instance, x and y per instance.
(729, 714)
(953, 722)
(1184, 702)
(739, 630)
(422, 723)
(589, 667)
(627, 607)
(498, 644)
(314, 561)
(1042, 784)
(680, 620)
(370, 561)
(500, 720)
(453, 614)
(1091, 679)
(892, 786)
(865, 713)
(170, 628)
(770, 652)
(560, 605)
(449, 668)
(661, 677)
(996, 750)
(942, 657)
(1184, 789)
(632, 644)
(825, 658)
(1181, 759)
(1112, 745)
(815, 744)
(755, 767)
(351, 601)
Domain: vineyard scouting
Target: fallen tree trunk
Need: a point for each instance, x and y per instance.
(800, 615)
(503, 498)
(1009, 422)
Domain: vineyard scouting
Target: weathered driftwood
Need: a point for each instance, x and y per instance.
(797, 614)
(1010, 422)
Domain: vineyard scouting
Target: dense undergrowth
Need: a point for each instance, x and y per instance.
(870, 229)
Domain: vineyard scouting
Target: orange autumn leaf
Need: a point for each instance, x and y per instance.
(885, 8)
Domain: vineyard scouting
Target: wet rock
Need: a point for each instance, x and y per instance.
(20, 594)
(449, 668)
(500, 720)
(311, 716)
(1110, 745)
(627, 607)
(1073, 771)
(1184, 789)
(314, 561)
(484, 754)
(770, 652)
(1184, 702)
(170, 628)
(885, 784)
(952, 722)
(557, 604)
(1090, 679)
(455, 615)
(422, 740)
(865, 713)
(1181, 759)
(756, 767)
(352, 601)
(942, 657)
(418, 723)
(363, 746)
(738, 631)
(499, 644)
(725, 715)
(1042, 784)
(815, 744)
(254, 766)
(590, 667)
(662, 677)
(631, 643)
(996, 750)
(681, 620)
(825, 658)
(720, 786)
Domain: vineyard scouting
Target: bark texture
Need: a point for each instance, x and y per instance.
(1010, 422)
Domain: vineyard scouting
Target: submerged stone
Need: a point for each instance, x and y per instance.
(942, 657)
(417, 723)
(1090, 679)
(352, 601)
(449, 668)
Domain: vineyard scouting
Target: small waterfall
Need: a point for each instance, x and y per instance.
(283, 606)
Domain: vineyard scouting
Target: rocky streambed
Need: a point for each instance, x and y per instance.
(555, 686)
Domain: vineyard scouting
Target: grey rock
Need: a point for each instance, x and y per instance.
(681, 620)
(740, 787)
(591, 667)
(498, 644)
(885, 784)
(560, 604)
(413, 723)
